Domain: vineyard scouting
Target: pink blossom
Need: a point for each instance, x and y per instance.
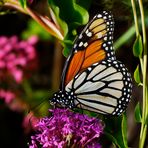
(6, 95)
(29, 122)
(16, 56)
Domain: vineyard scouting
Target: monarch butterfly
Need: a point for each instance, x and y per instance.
(92, 78)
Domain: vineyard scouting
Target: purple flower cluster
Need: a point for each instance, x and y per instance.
(67, 129)
(15, 56)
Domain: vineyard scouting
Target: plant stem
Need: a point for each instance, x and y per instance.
(145, 107)
(135, 17)
(143, 62)
(42, 20)
(136, 28)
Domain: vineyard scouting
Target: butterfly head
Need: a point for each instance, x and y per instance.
(64, 99)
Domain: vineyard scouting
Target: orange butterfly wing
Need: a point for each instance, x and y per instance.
(88, 48)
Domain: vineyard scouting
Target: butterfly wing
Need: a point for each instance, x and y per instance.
(104, 87)
(94, 44)
(100, 82)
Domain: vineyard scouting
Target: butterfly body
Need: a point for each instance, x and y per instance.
(92, 77)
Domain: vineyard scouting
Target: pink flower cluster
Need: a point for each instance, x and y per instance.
(8, 96)
(15, 56)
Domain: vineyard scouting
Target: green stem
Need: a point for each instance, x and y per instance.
(144, 109)
(42, 20)
(143, 62)
(136, 28)
(135, 17)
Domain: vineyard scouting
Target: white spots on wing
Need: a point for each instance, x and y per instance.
(105, 38)
(109, 42)
(89, 68)
(89, 86)
(105, 17)
(109, 16)
(89, 34)
(95, 64)
(80, 44)
(108, 54)
(104, 44)
(106, 48)
(76, 51)
(99, 15)
(96, 70)
(107, 23)
(86, 31)
(80, 79)
(127, 100)
(115, 62)
(112, 23)
(85, 44)
(123, 69)
(75, 45)
(80, 36)
(111, 29)
(106, 72)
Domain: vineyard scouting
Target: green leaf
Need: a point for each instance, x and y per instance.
(116, 130)
(70, 14)
(67, 44)
(137, 75)
(124, 130)
(113, 139)
(138, 47)
(55, 8)
(70, 11)
(23, 3)
(138, 113)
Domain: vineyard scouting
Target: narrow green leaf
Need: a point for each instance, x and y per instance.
(138, 47)
(124, 130)
(113, 139)
(138, 115)
(137, 75)
(23, 3)
(115, 132)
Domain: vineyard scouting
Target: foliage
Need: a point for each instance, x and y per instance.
(117, 135)
(61, 20)
(78, 15)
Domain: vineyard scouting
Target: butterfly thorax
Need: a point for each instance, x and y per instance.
(65, 99)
